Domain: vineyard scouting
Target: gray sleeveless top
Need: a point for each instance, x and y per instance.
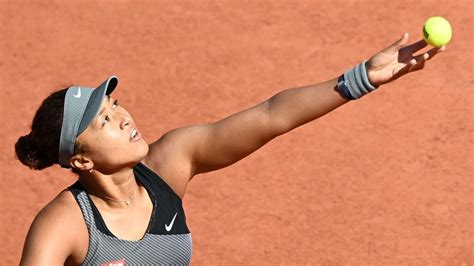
(167, 239)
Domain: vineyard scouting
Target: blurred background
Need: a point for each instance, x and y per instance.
(385, 180)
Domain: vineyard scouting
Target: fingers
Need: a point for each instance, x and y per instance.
(418, 62)
(412, 48)
(415, 47)
(436, 50)
(400, 43)
(419, 59)
(427, 55)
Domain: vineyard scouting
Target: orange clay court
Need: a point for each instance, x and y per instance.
(401, 193)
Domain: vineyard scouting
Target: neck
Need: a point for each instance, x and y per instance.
(114, 189)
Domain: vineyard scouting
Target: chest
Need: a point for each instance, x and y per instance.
(130, 223)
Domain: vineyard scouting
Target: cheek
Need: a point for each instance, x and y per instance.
(113, 140)
(116, 143)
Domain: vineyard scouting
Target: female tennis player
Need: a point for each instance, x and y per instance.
(126, 207)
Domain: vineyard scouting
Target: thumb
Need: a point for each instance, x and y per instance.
(400, 43)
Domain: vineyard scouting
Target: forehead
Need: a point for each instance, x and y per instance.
(106, 100)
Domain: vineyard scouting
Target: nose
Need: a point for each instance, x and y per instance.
(125, 121)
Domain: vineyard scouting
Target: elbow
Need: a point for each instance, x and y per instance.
(276, 122)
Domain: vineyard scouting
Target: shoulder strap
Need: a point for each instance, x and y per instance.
(82, 200)
(147, 175)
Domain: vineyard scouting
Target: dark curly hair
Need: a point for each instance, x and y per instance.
(39, 149)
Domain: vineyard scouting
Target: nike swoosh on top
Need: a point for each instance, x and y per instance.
(78, 95)
(168, 227)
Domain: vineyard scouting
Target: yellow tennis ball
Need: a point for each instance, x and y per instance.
(437, 31)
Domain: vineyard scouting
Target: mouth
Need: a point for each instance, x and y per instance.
(135, 135)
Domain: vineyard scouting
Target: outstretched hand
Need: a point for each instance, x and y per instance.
(398, 59)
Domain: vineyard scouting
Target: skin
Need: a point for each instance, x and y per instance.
(58, 235)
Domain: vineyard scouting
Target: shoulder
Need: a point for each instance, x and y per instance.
(171, 156)
(62, 210)
(180, 145)
(56, 232)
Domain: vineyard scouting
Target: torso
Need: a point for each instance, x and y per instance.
(127, 224)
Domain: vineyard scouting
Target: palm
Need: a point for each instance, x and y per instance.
(397, 60)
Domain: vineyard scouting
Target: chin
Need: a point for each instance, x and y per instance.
(142, 151)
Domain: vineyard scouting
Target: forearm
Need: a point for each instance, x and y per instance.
(294, 107)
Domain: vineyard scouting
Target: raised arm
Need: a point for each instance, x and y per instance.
(212, 146)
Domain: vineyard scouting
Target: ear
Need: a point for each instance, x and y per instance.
(81, 162)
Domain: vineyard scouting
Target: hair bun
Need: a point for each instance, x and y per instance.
(27, 153)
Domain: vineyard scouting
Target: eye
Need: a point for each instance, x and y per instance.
(106, 120)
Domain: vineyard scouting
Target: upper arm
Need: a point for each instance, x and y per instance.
(48, 241)
(231, 139)
(187, 151)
